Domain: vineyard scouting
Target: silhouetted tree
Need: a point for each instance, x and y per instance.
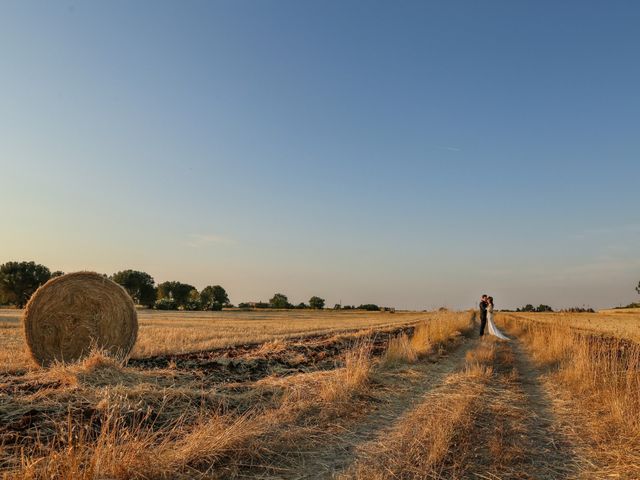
(139, 285)
(18, 281)
(370, 307)
(279, 300)
(530, 308)
(527, 308)
(316, 302)
(582, 309)
(212, 297)
(178, 291)
(165, 304)
(57, 273)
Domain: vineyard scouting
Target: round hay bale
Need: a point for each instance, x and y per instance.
(69, 315)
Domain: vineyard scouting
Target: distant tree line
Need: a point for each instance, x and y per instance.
(631, 305)
(530, 308)
(281, 301)
(19, 280)
(547, 308)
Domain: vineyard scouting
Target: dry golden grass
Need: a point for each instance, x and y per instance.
(488, 420)
(432, 441)
(427, 337)
(618, 323)
(192, 440)
(352, 378)
(400, 350)
(207, 417)
(157, 424)
(602, 377)
(620, 311)
(182, 332)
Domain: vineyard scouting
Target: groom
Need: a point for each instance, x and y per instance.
(483, 313)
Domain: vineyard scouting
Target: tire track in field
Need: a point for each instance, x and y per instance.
(518, 435)
(404, 388)
(512, 434)
(252, 362)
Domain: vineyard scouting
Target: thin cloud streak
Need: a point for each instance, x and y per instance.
(197, 240)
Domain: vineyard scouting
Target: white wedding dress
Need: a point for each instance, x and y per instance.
(491, 327)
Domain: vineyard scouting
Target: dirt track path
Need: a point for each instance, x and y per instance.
(515, 435)
(554, 451)
(519, 435)
(403, 389)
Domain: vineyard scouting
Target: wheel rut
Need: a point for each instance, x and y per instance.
(403, 388)
(519, 435)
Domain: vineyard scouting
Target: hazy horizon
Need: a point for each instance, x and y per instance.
(408, 154)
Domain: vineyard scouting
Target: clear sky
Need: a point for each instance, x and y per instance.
(413, 154)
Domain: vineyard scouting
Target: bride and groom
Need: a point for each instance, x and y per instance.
(486, 318)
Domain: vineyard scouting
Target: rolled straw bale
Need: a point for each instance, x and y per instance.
(69, 315)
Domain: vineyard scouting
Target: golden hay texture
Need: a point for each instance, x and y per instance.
(623, 323)
(71, 314)
(162, 332)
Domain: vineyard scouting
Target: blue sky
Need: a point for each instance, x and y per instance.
(413, 154)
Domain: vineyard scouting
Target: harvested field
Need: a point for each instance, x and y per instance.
(184, 332)
(623, 323)
(417, 396)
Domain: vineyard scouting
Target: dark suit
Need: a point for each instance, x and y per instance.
(483, 316)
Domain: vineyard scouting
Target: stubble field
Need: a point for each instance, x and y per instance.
(183, 332)
(349, 395)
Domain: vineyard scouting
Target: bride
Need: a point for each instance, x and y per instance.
(493, 330)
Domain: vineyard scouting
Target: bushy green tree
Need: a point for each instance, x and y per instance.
(212, 297)
(279, 300)
(140, 285)
(193, 301)
(57, 273)
(18, 281)
(527, 308)
(316, 302)
(178, 291)
(370, 307)
(165, 304)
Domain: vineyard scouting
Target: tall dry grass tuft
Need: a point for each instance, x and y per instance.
(603, 376)
(351, 379)
(121, 451)
(215, 438)
(400, 350)
(428, 336)
(479, 361)
(117, 451)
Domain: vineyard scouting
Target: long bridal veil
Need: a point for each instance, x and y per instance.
(493, 330)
